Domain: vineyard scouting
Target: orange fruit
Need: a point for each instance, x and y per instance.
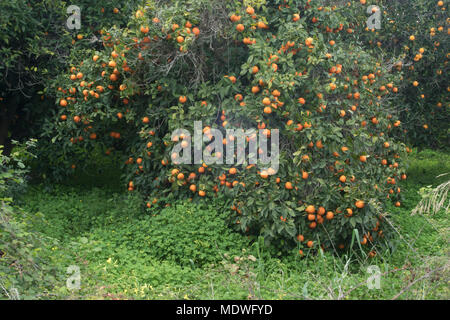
(268, 110)
(309, 41)
(359, 204)
(240, 27)
(310, 209)
(250, 11)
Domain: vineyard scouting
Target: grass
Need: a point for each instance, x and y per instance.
(124, 253)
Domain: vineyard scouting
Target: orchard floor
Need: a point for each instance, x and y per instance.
(99, 228)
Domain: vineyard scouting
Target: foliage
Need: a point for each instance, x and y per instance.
(26, 264)
(13, 169)
(190, 234)
(414, 39)
(35, 46)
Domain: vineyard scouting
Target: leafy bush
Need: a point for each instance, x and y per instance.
(192, 234)
(13, 170)
(27, 268)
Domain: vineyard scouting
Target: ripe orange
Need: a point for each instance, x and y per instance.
(321, 211)
(235, 18)
(255, 89)
(266, 101)
(310, 209)
(268, 110)
(305, 175)
(359, 204)
(250, 11)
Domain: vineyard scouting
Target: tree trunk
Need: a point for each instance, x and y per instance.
(7, 112)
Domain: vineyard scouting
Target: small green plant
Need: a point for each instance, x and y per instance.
(191, 234)
(26, 268)
(13, 169)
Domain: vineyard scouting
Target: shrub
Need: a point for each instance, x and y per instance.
(26, 268)
(13, 169)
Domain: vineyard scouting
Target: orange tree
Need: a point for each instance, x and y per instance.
(35, 44)
(296, 66)
(414, 39)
